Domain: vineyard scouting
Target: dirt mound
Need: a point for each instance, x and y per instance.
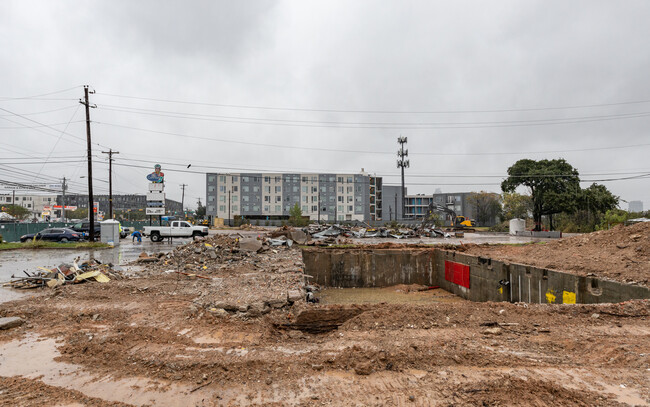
(621, 253)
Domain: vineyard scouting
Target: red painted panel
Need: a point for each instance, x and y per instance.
(457, 273)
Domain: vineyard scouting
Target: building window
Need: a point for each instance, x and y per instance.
(350, 180)
(211, 198)
(278, 199)
(305, 189)
(267, 189)
(304, 179)
(235, 188)
(278, 208)
(314, 208)
(314, 199)
(234, 198)
(314, 179)
(211, 188)
(339, 179)
(359, 208)
(244, 179)
(210, 178)
(267, 198)
(222, 188)
(350, 199)
(323, 189)
(267, 179)
(235, 178)
(340, 190)
(304, 208)
(244, 198)
(245, 188)
(295, 188)
(332, 178)
(278, 189)
(278, 179)
(349, 208)
(340, 199)
(256, 189)
(340, 208)
(222, 178)
(244, 208)
(235, 208)
(222, 208)
(314, 190)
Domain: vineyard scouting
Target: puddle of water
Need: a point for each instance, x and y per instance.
(391, 295)
(33, 357)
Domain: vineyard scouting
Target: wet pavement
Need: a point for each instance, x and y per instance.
(16, 261)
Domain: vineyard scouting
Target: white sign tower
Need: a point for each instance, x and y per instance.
(156, 194)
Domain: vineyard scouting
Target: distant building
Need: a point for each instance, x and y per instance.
(325, 197)
(36, 203)
(416, 206)
(635, 206)
(120, 202)
(392, 202)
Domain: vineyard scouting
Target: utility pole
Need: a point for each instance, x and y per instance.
(110, 153)
(183, 200)
(91, 198)
(396, 207)
(63, 188)
(402, 163)
(229, 223)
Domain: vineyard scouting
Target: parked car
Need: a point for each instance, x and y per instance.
(177, 229)
(84, 228)
(126, 231)
(54, 235)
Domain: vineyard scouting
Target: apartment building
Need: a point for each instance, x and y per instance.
(120, 202)
(416, 206)
(34, 202)
(325, 197)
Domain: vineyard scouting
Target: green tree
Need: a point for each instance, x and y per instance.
(487, 206)
(200, 210)
(79, 213)
(17, 211)
(295, 216)
(597, 199)
(553, 186)
(516, 205)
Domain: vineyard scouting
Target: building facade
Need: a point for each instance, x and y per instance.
(635, 206)
(120, 202)
(36, 203)
(325, 197)
(416, 206)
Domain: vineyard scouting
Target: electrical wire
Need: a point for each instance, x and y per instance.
(374, 111)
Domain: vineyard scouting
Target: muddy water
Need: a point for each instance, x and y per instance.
(16, 261)
(400, 294)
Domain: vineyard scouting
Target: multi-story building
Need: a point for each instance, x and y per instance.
(635, 206)
(120, 202)
(36, 203)
(325, 197)
(416, 206)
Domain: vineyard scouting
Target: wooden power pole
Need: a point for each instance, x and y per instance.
(91, 214)
(110, 153)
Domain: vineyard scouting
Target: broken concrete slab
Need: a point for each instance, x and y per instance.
(250, 245)
(10, 322)
(294, 295)
(299, 236)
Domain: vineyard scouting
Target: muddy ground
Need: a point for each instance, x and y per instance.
(160, 338)
(621, 253)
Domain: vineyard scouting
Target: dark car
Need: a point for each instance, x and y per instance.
(54, 235)
(84, 229)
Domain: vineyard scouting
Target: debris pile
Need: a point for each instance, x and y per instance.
(90, 270)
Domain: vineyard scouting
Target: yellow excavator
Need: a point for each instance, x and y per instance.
(458, 222)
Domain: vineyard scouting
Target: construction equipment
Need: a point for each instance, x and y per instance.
(458, 222)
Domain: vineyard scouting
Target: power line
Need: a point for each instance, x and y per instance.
(42, 112)
(379, 125)
(375, 111)
(41, 95)
(249, 143)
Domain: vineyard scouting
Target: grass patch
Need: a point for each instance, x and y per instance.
(52, 245)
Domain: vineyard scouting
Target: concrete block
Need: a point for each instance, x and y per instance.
(250, 245)
(10, 322)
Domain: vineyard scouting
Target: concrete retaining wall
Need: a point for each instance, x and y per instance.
(489, 280)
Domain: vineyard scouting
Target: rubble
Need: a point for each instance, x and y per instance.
(90, 270)
(10, 322)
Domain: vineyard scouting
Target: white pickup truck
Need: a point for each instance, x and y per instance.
(178, 228)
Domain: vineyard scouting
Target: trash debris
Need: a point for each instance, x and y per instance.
(65, 274)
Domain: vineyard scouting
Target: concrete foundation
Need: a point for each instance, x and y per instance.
(471, 277)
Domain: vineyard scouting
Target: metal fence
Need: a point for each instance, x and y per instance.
(11, 232)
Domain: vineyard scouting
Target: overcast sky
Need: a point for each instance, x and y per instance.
(305, 86)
